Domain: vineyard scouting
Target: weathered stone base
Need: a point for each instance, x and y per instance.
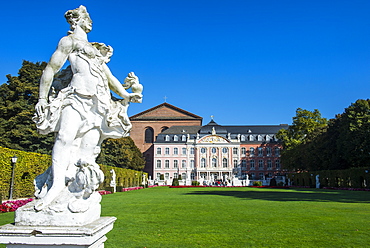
(59, 212)
(88, 236)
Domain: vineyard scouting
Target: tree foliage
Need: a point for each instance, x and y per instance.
(306, 125)
(341, 144)
(121, 153)
(18, 97)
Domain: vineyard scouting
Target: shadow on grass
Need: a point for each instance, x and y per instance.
(293, 195)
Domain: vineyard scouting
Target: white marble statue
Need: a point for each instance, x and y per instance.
(317, 181)
(76, 104)
(113, 180)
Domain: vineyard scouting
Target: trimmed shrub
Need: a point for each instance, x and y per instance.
(257, 183)
(175, 182)
(30, 165)
(194, 183)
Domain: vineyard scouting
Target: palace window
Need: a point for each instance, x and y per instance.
(251, 151)
(214, 162)
(159, 163)
(244, 151)
(260, 151)
(235, 163)
(192, 176)
(158, 176)
(175, 175)
(224, 150)
(224, 162)
(213, 150)
(167, 151)
(252, 164)
(203, 163)
(260, 164)
(277, 151)
(183, 151)
(175, 150)
(192, 150)
(244, 163)
(183, 176)
(268, 151)
(235, 151)
(261, 176)
(183, 163)
(202, 150)
(175, 164)
(159, 150)
(167, 176)
(277, 163)
(167, 164)
(192, 164)
(269, 164)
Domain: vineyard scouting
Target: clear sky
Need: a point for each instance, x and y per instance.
(244, 62)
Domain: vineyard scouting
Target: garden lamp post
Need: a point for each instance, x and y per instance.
(14, 161)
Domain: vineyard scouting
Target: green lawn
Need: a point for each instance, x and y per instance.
(236, 217)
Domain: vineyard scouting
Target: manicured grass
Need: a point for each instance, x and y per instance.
(236, 217)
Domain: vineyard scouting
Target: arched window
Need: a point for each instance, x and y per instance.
(183, 138)
(175, 138)
(149, 135)
(224, 162)
(214, 162)
(242, 138)
(251, 151)
(244, 151)
(167, 138)
(203, 163)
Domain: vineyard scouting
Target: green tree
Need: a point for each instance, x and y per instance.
(121, 153)
(354, 135)
(305, 127)
(18, 97)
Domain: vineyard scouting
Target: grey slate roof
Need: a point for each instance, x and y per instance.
(223, 131)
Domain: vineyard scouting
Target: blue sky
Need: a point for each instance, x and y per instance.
(244, 62)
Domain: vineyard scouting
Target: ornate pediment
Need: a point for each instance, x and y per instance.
(213, 139)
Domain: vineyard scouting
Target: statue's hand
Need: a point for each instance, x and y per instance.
(40, 107)
(136, 97)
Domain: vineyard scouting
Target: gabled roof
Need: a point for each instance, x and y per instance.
(165, 111)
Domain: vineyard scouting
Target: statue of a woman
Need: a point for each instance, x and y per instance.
(80, 112)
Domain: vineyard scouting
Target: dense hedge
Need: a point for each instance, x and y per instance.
(30, 164)
(350, 178)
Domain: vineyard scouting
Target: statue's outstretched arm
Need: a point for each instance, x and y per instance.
(116, 86)
(56, 62)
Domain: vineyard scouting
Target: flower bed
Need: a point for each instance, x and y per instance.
(132, 188)
(104, 192)
(11, 206)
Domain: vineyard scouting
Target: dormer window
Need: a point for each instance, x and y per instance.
(167, 138)
(175, 138)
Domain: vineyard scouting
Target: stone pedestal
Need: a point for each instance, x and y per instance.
(91, 235)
